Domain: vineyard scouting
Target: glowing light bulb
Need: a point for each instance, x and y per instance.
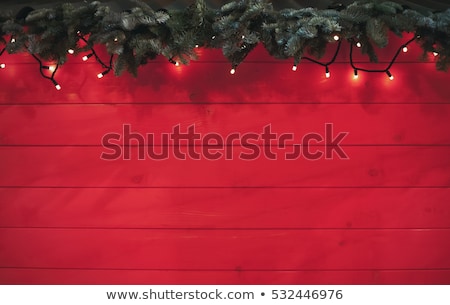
(196, 45)
(13, 40)
(405, 49)
(232, 71)
(2, 66)
(52, 68)
(336, 37)
(435, 53)
(358, 44)
(243, 36)
(100, 75)
(214, 37)
(57, 86)
(294, 68)
(86, 57)
(327, 72)
(389, 74)
(177, 64)
(71, 51)
(355, 74)
(116, 39)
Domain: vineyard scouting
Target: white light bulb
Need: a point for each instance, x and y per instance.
(177, 64)
(100, 75)
(71, 51)
(336, 37)
(116, 39)
(2, 66)
(389, 74)
(405, 49)
(435, 53)
(214, 37)
(243, 36)
(294, 68)
(355, 75)
(52, 68)
(327, 75)
(58, 87)
(358, 44)
(13, 40)
(85, 58)
(232, 71)
(196, 45)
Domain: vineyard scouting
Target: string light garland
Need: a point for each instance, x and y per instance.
(53, 70)
(135, 36)
(386, 70)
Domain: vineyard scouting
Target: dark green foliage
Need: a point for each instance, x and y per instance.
(141, 34)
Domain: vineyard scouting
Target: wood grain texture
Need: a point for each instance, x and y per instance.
(204, 208)
(379, 166)
(193, 249)
(367, 124)
(381, 217)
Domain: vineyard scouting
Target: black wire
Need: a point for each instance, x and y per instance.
(391, 63)
(328, 63)
(97, 58)
(41, 68)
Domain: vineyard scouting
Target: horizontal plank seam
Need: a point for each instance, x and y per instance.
(421, 229)
(225, 270)
(136, 103)
(224, 187)
(227, 145)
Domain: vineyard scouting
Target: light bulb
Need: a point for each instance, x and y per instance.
(389, 74)
(232, 71)
(327, 72)
(52, 68)
(86, 57)
(2, 66)
(100, 75)
(196, 45)
(13, 40)
(355, 75)
(336, 37)
(177, 64)
(294, 68)
(243, 36)
(435, 53)
(214, 37)
(58, 87)
(116, 39)
(405, 49)
(358, 44)
(71, 51)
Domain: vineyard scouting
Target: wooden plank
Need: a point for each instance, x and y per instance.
(212, 83)
(87, 124)
(226, 208)
(225, 249)
(381, 166)
(214, 277)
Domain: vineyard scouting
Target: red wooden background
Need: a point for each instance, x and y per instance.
(67, 217)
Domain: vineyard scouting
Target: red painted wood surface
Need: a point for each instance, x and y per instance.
(381, 217)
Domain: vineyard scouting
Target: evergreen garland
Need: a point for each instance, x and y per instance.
(138, 35)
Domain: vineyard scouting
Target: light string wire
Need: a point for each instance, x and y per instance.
(356, 69)
(44, 67)
(109, 66)
(326, 65)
